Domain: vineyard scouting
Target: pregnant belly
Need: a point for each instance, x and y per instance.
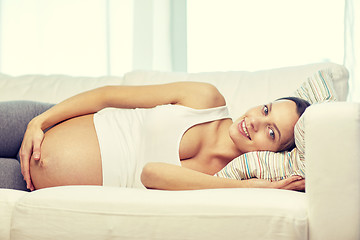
(70, 155)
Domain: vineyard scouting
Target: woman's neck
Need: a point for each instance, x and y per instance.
(224, 148)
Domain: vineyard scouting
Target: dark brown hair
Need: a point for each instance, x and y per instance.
(301, 106)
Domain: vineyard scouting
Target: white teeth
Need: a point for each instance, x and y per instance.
(245, 130)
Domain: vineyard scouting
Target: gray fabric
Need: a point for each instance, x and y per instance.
(10, 174)
(14, 117)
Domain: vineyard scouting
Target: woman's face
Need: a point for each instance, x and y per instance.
(265, 128)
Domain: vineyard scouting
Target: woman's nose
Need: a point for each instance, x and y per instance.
(256, 123)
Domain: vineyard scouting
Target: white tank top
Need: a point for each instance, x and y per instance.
(130, 138)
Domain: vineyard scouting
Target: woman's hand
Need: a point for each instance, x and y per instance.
(30, 147)
(296, 183)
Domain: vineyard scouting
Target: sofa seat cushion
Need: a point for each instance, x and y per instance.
(8, 200)
(92, 212)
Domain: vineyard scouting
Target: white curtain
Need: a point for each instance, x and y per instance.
(91, 37)
(159, 35)
(352, 47)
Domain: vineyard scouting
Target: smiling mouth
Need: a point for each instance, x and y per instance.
(243, 129)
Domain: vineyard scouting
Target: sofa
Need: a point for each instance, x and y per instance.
(329, 209)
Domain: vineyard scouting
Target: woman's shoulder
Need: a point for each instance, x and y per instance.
(200, 95)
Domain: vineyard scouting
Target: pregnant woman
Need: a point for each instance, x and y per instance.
(172, 136)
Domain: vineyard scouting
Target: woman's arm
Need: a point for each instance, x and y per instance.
(191, 94)
(171, 177)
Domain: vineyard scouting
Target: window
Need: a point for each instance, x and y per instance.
(111, 37)
(228, 35)
(74, 37)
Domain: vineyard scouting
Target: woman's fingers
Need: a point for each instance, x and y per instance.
(293, 183)
(30, 147)
(297, 185)
(25, 161)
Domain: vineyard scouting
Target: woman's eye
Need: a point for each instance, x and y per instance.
(271, 133)
(266, 110)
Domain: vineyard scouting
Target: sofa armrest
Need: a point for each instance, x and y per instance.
(332, 170)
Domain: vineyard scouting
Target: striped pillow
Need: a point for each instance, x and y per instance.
(317, 89)
(276, 166)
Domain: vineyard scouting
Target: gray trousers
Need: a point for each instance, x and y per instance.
(14, 117)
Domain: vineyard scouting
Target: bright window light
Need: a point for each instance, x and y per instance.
(225, 35)
(73, 37)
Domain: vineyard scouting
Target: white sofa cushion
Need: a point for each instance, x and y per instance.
(51, 89)
(8, 200)
(75, 213)
(241, 89)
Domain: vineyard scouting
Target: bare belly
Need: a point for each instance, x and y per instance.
(70, 155)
